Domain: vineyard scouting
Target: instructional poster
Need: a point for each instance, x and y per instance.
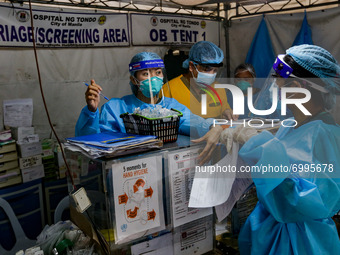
(182, 171)
(136, 185)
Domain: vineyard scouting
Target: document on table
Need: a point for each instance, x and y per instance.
(181, 165)
(18, 112)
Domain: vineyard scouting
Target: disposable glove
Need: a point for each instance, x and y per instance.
(240, 134)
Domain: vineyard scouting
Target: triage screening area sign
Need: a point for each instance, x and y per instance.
(62, 28)
(171, 30)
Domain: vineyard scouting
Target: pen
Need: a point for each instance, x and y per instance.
(100, 93)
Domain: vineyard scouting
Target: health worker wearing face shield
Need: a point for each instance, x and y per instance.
(146, 81)
(299, 191)
(244, 77)
(204, 61)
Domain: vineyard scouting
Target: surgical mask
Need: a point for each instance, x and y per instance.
(156, 86)
(204, 78)
(243, 85)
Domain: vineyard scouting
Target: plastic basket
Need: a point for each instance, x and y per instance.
(165, 128)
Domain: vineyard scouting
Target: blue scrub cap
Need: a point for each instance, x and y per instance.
(144, 60)
(206, 53)
(319, 62)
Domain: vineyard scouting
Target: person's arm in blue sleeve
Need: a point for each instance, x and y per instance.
(286, 195)
(88, 122)
(110, 120)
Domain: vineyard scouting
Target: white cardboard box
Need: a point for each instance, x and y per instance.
(19, 133)
(32, 173)
(30, 161)
(29, 149)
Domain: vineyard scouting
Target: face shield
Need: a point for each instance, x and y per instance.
(269, 98)
(149, 78)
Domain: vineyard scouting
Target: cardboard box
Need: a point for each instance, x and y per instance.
(30, 161)
(4, 166)
(10, 177)
(8, 147)
(32, 173)
(29, 149)
(9, 156)
(20, 133)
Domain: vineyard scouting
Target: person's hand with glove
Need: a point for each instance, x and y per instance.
(240, 134)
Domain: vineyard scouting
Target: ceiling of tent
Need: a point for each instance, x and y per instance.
(205, 8)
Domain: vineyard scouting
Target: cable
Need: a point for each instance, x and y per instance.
(43, 97)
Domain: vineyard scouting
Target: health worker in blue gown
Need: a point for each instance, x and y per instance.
(146, 81)
(298, 199)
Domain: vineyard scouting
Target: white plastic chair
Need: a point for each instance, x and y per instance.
(22, 242)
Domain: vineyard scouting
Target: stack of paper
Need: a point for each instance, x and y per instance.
(112, 144)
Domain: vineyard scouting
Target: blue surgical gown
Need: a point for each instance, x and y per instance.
(109, 117)
(293, 215)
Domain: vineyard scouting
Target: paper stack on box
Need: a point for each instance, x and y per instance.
(9, 167)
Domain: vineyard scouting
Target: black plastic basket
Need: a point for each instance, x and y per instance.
(165, 128)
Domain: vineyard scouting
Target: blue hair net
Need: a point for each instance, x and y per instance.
(143, 56)
(319, 62)
(204, 52)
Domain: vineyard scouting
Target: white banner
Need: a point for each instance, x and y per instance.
(62, 28)
(172, 30)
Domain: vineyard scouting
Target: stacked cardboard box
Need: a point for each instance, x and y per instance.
(30, 151)
(9, 168)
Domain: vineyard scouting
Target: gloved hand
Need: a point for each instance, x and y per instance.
(240, 134)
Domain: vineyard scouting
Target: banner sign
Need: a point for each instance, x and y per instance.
(172, 30)
(62, 28)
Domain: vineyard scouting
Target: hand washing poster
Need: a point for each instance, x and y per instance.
(137, 199)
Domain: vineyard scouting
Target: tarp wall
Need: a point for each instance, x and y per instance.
(63, 72)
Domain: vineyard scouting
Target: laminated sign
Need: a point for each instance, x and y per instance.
(137, 197)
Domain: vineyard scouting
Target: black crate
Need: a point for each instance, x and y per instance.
(165, 128)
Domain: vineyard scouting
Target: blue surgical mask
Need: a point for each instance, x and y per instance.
(204, 78)
(156, 85)
(243, 85)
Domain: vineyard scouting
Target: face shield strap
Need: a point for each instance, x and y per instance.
(156, 63)
(281, 67)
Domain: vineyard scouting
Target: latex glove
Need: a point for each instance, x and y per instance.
(228, 114)
(211, 138)
(240, 134)
(92, 96)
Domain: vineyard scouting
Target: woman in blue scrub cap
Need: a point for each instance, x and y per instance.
(298, 183)
(146, 80)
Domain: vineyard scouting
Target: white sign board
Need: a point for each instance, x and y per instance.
(62, 28)
(172, 30)
(137, 187)
(182, 171)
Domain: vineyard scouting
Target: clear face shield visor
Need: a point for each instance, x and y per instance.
(272, 93)
(151, 79)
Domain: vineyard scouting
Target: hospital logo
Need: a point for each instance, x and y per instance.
(102, 20)
(22, 16)
(176, 157)
(154, 21)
